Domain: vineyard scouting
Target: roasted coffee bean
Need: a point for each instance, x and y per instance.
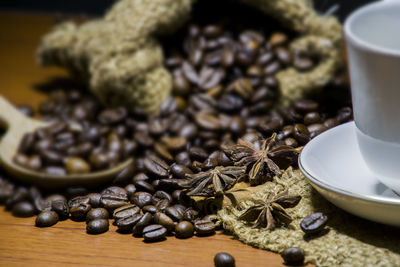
(27, 143)
(125, 224)
(283, 55)
(23, 209)
(75, 191)
(314, 223)
(61, 207)
(125, 175)
(125, 211)
(207, 121)
(97, 226)
(75, 165)
(330, 123)
(94, 199)
(180, 171)
(156, 166)
(46, 218)
(278, 39)
(293, 256)
(184, 229)
(112, 201)
(98, 160)
(144, 186)
(164, 220)
(174, 214)
(97, 213)
(290, 142)
(212, 31)
(305, 105)
(311, 118)
(204, 227)
(55, 197)
(34, 163)
(302, 63)
(223, 259)
(301, 133)
(316, 129)
(154, 232)
(190, 215)
(344, 114)
(130, 189)
(161, 195)
(54, 170)
(174, 144)
(150, 208)
(183, 158)
(144, 221)
(140, 177)
(21, 160)
(141, 199)
(79, 207)
(20, 194)
(112, 116)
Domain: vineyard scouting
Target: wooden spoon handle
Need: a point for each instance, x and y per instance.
(9, 115)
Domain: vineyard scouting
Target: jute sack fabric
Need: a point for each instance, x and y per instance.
(349, 240)
(121, 59)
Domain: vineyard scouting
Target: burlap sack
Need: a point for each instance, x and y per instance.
(120, 58)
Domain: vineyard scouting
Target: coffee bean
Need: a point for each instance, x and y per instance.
(125, 224)
(144, 186)
(302, 63)
(180, 171)
(94, 199)
(21, 160)
(34, 163)
(112, 201)
(184, 229)
(207, 121)
(164, 220)
(283, 55)
(174, 214)
(27, 143)
(54, 170)
(20, 194)
(144, 221)
(293, 256)
(301, 133)
(156, 166)
(75, 165)
(212, 31)
(311, 118)
(79, 207)
(154, 232)
(97, 226)
(330, 123)
(97, 213)
(112, 116)
(316, 129)
(278, 39)
(305, 105)
(223, 259)
(98, 160)
(150, 208)
(344, 114)
(130, 189)
(46, 218)
(314, 223)
(61, 207)
(23, 209)
(125, 211)
(141, 199)
(204, 227)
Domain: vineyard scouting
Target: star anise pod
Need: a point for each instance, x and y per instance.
(271, 212)
(264, 162)
(213, 182)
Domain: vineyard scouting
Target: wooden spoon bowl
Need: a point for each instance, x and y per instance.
(17, 125)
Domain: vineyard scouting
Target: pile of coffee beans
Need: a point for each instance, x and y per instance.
(224, 89)
(82, 138)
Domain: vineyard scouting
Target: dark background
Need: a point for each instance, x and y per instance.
(98, 7)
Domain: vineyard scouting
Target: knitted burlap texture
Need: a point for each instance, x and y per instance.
(122, 61)
(348, 241)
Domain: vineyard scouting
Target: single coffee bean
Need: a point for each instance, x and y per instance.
(204, 227)
(131, 189)
(46, 218)
(190, 215)
(290, 142)
(125, 224)
(144, 186)
(98, 160)
(97, 226)
(174, 213)
(161, 195)
(79, 207)
(34, 163)
(23, 209)
(184, 229)
(20, 194)
(61, 207)
(144, 221)
(330, 123)
(305, 105)
(112, 201)
(293, 256)
(154, 232)
(94, 199)
(180, 171)
(27, 143)
(314, 223)
(141, 199)
(223, 259)
(97, 213)
(316, 129)
(150, 208)
(301, 133)
(125, 175)
(75, 165)
(155, 165)
(125, 211)
(311, 118)
(164, 220)
(113, 116)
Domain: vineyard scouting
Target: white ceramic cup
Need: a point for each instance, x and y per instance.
(373, 46)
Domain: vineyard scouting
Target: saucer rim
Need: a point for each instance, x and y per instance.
(330, 187)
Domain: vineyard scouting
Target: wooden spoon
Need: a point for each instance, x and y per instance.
(16, 125)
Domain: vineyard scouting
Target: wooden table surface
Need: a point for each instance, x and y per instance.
(67, 243)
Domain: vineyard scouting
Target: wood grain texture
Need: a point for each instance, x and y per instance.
(66, 243)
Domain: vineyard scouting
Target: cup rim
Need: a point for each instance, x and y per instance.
(353, 38)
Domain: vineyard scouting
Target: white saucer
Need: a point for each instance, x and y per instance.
(335, 168)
